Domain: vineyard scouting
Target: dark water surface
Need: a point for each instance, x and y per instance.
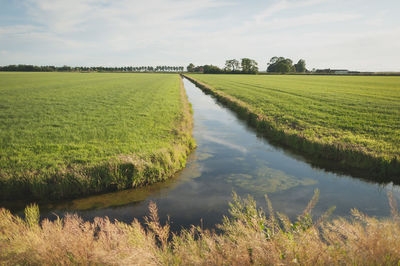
(230, 157)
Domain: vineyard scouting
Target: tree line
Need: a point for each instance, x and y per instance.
(32, 68)
(232, 66)
(250, 66)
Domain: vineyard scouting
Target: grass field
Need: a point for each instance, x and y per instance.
(68, 134)
(346, 118)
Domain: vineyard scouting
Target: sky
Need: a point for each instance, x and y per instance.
(361, 35)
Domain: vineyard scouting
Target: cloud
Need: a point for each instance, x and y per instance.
(300, 21)
(281, 5)
(225, 143)
(75, 15)
(114, 26)
(17, 29)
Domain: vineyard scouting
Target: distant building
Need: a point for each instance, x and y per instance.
(340, 71)
(332, 71)
(198, 69)
(323, 70)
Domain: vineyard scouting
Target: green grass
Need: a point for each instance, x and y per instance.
(349, 113)
(80, 129)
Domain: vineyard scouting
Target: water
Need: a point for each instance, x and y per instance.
(231, 157)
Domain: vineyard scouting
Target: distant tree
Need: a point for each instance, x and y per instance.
(249, 66)
(210, 69)
(64, 68)
(232, 65)
(198, 69)
(280, 65)
(301, 66)
(32, 68)
(190, 67)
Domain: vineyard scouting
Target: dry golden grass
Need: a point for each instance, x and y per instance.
(248, 237)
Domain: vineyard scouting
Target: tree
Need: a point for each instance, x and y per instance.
(210, 69)
(301, 66)
(64, 68)
(280, 65)
(232, 65)
(249, 66)
(190, 67)
(198, 69)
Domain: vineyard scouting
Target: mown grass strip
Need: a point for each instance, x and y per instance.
(65, 135)
(347, 125)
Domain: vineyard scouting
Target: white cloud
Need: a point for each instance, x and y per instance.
(64, 16)
(17, 29)
(281, 5)
(118, 26)
(300, 21)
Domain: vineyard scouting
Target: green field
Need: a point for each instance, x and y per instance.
(68, 134)
(357, 115)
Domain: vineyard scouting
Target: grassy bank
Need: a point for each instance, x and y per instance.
(247, 237)
(64, 135)
(351, 120)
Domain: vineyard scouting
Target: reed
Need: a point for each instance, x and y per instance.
(248, 236)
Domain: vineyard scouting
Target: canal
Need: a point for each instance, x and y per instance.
(231, 157)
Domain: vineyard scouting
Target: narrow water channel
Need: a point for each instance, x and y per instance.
(230, 157)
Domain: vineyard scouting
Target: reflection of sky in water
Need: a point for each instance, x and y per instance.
(230, 157)
(222, 141)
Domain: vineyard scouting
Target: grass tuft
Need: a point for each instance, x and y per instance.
(32, 215)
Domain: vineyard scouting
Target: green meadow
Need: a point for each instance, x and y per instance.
(69, 134)
(346, 118)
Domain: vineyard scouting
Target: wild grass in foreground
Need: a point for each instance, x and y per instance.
(70, 134)
(353, 120)
(247, 237)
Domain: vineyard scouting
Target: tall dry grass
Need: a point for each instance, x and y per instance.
(248, 236)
